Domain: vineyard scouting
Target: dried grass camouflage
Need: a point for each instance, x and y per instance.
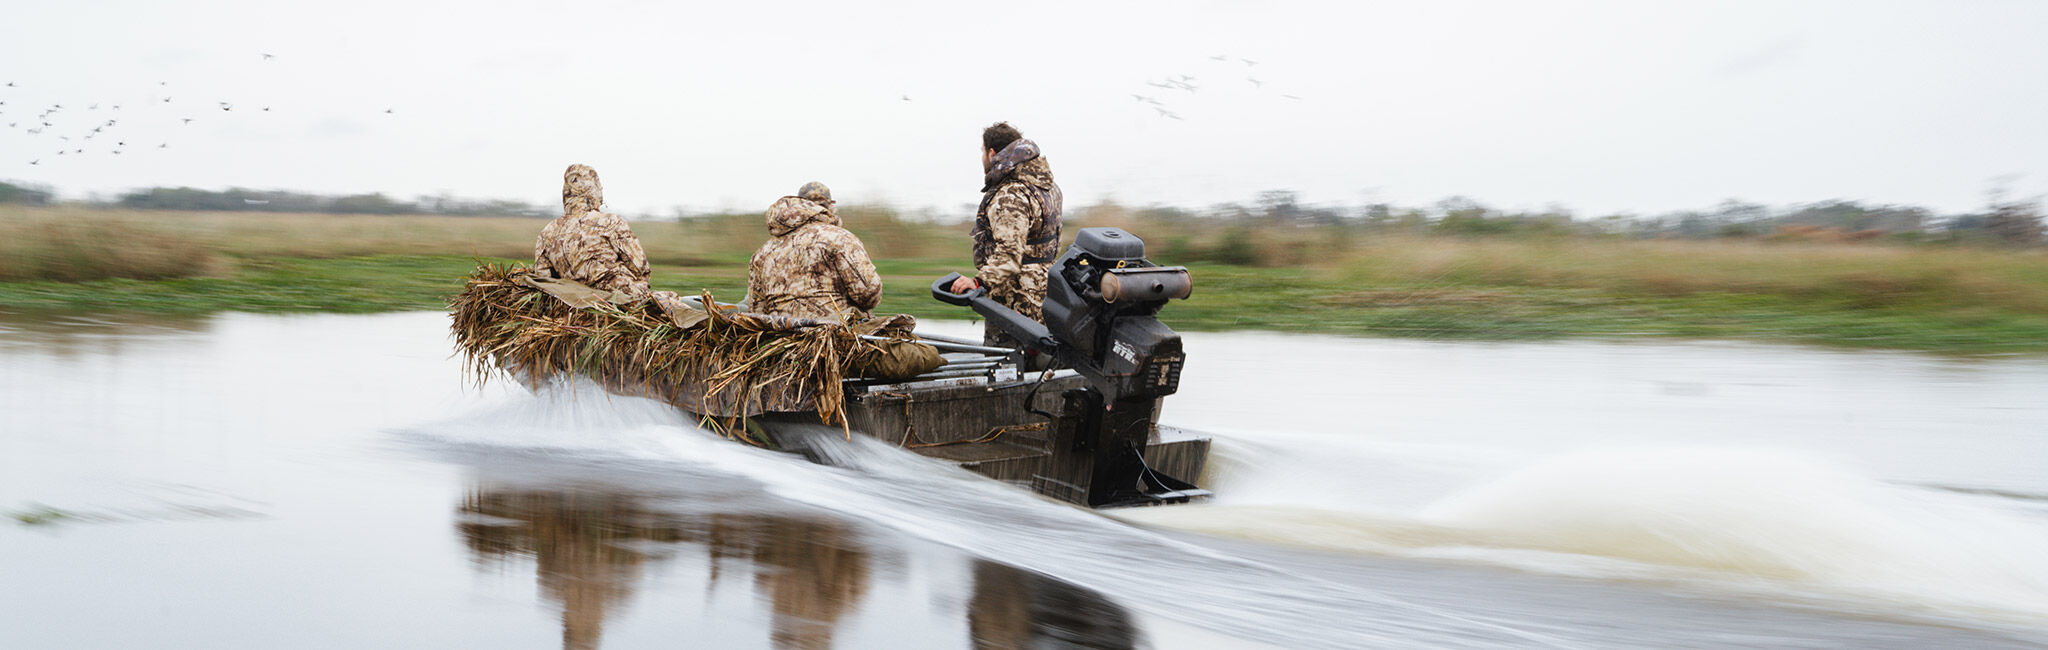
(729, 366)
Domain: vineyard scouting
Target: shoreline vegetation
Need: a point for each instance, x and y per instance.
(1331, 277)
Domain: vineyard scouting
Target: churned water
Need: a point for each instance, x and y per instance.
(1875, 482)
(329, 481)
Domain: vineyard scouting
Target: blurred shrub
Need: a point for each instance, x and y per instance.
(886, 233)
(94, 249)
(17, 194)
(1235, 246)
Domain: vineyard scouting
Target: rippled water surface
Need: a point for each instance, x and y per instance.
(330, 481)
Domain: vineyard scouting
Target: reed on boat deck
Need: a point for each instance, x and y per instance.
(736, 362)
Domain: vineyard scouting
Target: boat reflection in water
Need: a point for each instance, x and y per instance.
(1014, 608)
(591, 545)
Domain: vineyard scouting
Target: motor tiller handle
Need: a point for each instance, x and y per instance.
(1032, 334)
(942, 290)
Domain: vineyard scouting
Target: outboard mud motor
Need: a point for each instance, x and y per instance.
(1101, 300)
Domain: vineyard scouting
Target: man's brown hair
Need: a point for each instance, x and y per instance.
(999, 135)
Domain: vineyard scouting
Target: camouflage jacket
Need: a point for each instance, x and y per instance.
(1017, 228)
(812, 268)
(588, 245)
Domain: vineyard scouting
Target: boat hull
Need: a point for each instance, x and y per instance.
(990, 428)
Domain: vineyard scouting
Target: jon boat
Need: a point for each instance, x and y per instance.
(1085, 432)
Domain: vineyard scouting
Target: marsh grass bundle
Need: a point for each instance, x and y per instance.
(728, 367)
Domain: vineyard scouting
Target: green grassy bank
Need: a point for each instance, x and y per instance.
(1951, 300)
(1226, 298)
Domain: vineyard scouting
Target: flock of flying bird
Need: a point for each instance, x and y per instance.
(1186, 83)
(56, 116)
(102, 128)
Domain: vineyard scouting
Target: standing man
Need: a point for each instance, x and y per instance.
(1016, 229)
(811, 267)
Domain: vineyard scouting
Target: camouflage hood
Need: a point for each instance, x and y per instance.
(790, 213)
(1022, 161)
(1036, 172)
(580, 190)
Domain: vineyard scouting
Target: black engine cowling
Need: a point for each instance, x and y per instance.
(1101, 302)
(1101, 305)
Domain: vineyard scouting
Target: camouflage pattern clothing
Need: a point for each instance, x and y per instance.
(812, 268)
(588, 245)
(1017, 228)
(816, 192)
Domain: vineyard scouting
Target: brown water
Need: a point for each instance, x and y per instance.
(327, 481)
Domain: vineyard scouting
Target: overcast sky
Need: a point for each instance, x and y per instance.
(1598, 106)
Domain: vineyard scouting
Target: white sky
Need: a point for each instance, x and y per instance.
(1598, 106)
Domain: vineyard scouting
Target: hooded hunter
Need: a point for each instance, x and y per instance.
(588, 245)
(812, 268)
(1017, 228)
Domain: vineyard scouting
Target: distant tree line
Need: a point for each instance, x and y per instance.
(2008, 222)
(2003, 221)
(24, 195)
(246, 200)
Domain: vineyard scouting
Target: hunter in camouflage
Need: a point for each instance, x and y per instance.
(589, 245)
(1017, 228)
(812, 268)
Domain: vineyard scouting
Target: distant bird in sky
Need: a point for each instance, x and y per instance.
(10, 84)
(163, 83)
(266, 109)
(64, 138)
(167, 100)
(1156, 84)
(1166, 113)
(227, 107)
(1292, 97)
(188, 120)
(60, 152)
(117, 152)
(93, 107)
(1220, 57)
(36, 161)
(166, 145)
(388, 111)
(1255, 82)
(268, 56)
(120, 144)
(117, 107)
(1248, 62)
